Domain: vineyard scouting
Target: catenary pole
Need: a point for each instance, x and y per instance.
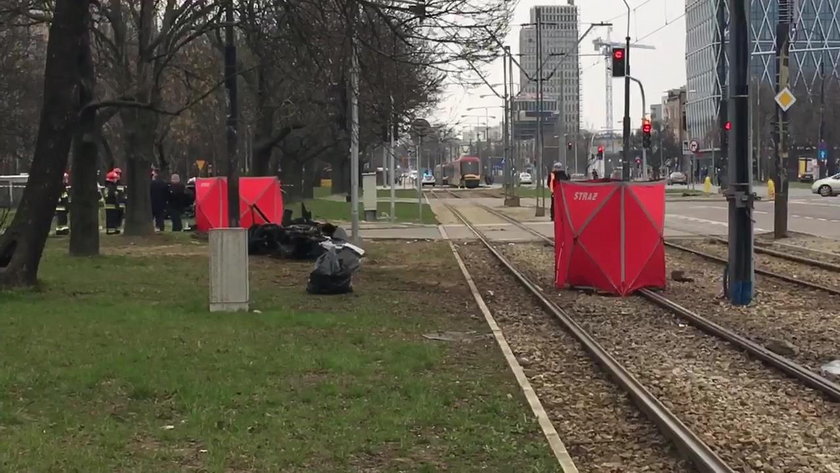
(625, 165)
(232, 125)
(740, 271)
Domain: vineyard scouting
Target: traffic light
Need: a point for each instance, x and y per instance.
(646, 129)
(569, 145)
(619, 62)
(600, 152)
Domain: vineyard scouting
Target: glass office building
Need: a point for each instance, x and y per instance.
(815, 40)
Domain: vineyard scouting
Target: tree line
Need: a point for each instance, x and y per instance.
(140, 85)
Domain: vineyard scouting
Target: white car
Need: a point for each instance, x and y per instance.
(828, 187)
(677, 178)
(525, 178)
(428, 180)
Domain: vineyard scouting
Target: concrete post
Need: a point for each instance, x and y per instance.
(229, 288)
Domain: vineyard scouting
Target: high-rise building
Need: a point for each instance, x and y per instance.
(561, 67)
(815, 40)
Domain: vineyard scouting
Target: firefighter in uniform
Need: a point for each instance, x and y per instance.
(62, 210)
(112, 204)
(557, 174)
(122, 197)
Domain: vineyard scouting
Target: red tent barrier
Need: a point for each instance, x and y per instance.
(260, 201)
(211, 207)
(609, 235)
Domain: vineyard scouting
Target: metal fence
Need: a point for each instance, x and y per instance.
(11, 191)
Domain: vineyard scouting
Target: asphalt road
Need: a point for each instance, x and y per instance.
(809, 213)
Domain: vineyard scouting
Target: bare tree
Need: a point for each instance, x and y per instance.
(23, 242)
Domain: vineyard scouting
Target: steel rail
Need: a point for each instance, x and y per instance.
(547, 240)
(763, 272)
(808, 377)
(700, 454)
(787, 366)
(778, 254)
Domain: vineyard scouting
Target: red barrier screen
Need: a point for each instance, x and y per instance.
(260, 201)
(211, 207)
(609, 235)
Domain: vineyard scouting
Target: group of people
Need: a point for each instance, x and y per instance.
(167, 198)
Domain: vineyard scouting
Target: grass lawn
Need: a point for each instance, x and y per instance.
(114, 364)
(333, 210)
(401, 193)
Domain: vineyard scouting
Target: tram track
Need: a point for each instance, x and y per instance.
(768, 273)
(796, 370)
(755, 369)
(686, 441)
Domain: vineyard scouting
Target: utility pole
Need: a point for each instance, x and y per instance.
(723, 112)
(625, 165)
(821, 147)
(780, 214)
(392, 128)
(354, 127)
(540, 211)
(739, 194)
(506, 124)
(232, 125)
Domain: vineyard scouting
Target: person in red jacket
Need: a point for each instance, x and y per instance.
(557, 174)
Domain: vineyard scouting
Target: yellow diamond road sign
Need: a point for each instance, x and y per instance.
(785, 99)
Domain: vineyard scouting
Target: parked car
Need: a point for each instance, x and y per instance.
(677, 177)
(428, 180)
(828, 187)
(525, 178)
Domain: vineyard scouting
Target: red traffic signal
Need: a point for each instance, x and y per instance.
(727, 126)
(600, 149)
(646, 127)
(619, 62)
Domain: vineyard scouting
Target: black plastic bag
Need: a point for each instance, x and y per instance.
(333, 273)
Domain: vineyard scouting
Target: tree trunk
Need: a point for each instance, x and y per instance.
(140, 143)
(23, 243)
(311, 174)
(84, 199)
(340, 173)
(261, 157)
(292, 178)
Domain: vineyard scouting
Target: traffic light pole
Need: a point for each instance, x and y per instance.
(540, 211)
(644, 116)
(625, 165)
(740, 272)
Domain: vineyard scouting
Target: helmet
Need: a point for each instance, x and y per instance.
(558, 167)
(112, 177)
(118, 171)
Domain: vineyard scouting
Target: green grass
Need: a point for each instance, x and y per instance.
(339, 210)
(114, 364)
(333, 210)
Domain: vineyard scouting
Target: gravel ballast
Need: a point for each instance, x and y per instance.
(755, 418)
(603, 431)
(799, 323)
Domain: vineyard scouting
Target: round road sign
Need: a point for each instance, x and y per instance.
(694, 146)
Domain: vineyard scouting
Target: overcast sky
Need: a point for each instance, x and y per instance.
(659, 70)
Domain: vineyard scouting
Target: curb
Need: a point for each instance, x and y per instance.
(564, 460)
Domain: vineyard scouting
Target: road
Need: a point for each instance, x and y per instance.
(809, 213)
